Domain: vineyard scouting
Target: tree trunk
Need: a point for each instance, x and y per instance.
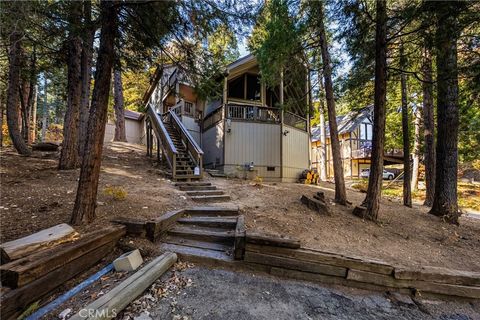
(445, 199)
(417, 122)
(24, 91)
(69, 158)
(2, 108)
(375, 179)
(407, 174)
(33, 126)
(323, 154)
(85, 201)
(32, 96)
(15, 65)
(429, 124)
(340, 192)
(86, 73)
(45, 109)
(118, 106)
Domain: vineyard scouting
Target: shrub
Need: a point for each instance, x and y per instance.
(116, 192)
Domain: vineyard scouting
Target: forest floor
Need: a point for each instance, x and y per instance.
(35, 195)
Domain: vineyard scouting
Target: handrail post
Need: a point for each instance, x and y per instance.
(174, 166)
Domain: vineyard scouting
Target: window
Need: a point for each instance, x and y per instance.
(270, 168)
(246, 87)
(253, 87)
(236, 88)
(365, 131)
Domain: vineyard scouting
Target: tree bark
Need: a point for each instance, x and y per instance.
(24, 91)
(33, 125)
(69, 158)
(2, 108)
(445, 199)
(119, 107)
(15, 65)
(407, 174)
(32, 96)
(417, 123)
(86, 74)
(375, 179)
(85, 202)
(340, 192)
(429, 124)
(45, 109)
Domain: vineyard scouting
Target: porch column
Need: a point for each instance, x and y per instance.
(225, 94)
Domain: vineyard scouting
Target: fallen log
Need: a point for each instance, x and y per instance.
(110, 304)
(13, 302)
(25, 270)
(315, 204)
(46, 238)
(45, 146)
(271, 240)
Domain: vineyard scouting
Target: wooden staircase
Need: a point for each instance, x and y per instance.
(203, 191)
(184, 164)
(182, 153)
(203, 233)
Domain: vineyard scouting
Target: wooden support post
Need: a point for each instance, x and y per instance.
(147, 130)
(158, 151)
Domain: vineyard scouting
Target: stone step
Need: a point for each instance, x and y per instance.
(203, 234)
(198, 244)
(197, 188)
(205, 193)
(213, 198)
(211, 211)
(214, 222)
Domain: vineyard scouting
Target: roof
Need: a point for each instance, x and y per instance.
(133, 115)
(345, 123)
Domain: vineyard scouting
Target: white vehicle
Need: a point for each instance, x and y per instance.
(365, 173)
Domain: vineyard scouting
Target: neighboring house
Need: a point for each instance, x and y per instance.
(355, 132)
(244, 133)
(134, 128)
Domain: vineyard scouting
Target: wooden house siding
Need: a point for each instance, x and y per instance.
(253, 142)
(295, 149)
(212, 146)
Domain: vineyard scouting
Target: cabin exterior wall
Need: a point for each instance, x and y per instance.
(295, 149)
(212, 146)
(249, 142)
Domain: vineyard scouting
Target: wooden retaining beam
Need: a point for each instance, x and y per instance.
(46, 238)
(370, 274)
(271, 240)
(157, 227)
(15, 301)
(28, 269)
(240, 239)
(110, 304)
(135, 227)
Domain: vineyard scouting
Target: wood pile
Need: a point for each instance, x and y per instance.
(317, 202)
(370, 274)
(33, 276)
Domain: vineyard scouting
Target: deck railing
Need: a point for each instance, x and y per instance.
(294, 120)
(252, 113)
(212, 119)
(185, 108)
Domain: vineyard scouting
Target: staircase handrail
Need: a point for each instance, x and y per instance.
(158, 126)
(185, 133)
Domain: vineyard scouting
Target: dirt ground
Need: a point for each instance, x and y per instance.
(35, 195)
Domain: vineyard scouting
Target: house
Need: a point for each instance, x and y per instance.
(134, 128)
(355, 135)
(355, 132)
(243, 133)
